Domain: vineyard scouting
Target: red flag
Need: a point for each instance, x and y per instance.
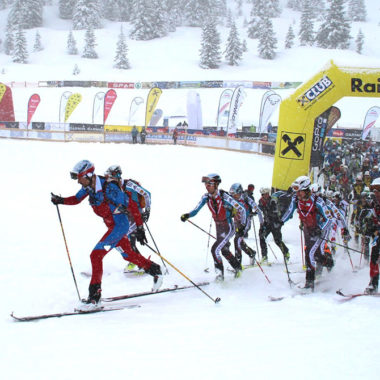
(6, 104)
(33, 103)
(109, 100)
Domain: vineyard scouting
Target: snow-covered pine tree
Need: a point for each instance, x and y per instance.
(273, 8)
(86, 14)
(318, 9)
(121, 59)
(110, 10)
(359, 42)
(125, 7)
(229, 18)
(20, 51)
(239, 7)
(90, 43)
(257, 13)
(3, 4)
(306, 32)
(71, 44)
(37, 42)
(9, 39)
(296, 5)
(267, 40)
(357, 10)
(244, 46)
(289, 39)
(234, 47)
(26, 13)
(65, 9)
(210, 46)
(198, 12)
(334, 32)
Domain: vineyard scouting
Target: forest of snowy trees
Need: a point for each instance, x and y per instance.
(323, 23)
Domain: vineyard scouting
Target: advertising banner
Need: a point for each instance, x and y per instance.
(98, 108)
(33, 103)
(194, 110)
(109, 100)
(224, 109)
(370, 120)
(151, 103)
(72, 103)
(236, 101)
(6, 104)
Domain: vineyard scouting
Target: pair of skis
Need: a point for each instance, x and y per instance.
(104, 308)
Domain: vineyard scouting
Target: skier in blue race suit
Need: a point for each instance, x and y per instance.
(221, 205)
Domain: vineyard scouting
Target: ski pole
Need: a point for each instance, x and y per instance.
(195, 225)
(302, 250)
(340, 245)
(272, 251)
(68, 254)
(287, 272)
(257, 246)
(216, 300)
(208, 245)
(166, 269)
(215, 238)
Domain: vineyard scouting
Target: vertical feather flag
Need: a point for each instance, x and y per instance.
(33, 103)
(109, 100)
(151, 103)
(72, 103)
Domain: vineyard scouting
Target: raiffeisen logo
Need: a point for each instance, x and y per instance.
(357, 85)
(315, 92)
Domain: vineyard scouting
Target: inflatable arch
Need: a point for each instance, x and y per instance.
(296, 134)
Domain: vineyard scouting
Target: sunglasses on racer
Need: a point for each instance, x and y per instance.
(208, 181)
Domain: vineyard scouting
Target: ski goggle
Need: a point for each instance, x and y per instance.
(296, 187)
(75, 176)
(208, 181)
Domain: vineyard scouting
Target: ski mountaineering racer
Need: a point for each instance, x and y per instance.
(110, 203)
(222, 206)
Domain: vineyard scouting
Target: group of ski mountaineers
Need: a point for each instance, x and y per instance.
(349, 198)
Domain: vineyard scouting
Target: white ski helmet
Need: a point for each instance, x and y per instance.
(236, 188)
(212, 178)
(301, 183)
(315, 188)
(265, 190)
(83, 168)
(113, 172)
(375, 185)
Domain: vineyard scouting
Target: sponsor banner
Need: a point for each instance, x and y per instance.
(189, 84)
(86, 127)
(38, 125)
(84, 137)
(370, 120)
(6, 103)
(194, 110)
(72, 103)
(119, 128)
(62, 105)
(359, 85)
(135, 105)
(345, 133)
(234, 83)
(109, 101)
(151, 103)
(128, 85)
(285, 85)
(262, 85)
(117, 137)
(9, 124)
(79, 83)
(212, 84)
(157, 114)
(98, 108)
(271, 102)
(236, 101)
(317, 91)
(224, 108)
(33, 103)
(165, 85)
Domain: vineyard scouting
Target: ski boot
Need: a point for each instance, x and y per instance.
(309, 286)
(264, 260)
(371, 288)
(94, 294)
(155, 271)
(219, 275)
(287, 256)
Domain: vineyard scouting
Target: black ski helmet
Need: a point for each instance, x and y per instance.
(215, 178)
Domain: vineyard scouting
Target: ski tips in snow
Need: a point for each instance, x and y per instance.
(217, 300)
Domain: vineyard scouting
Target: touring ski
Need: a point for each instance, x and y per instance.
(349, 297)
(77, 311)
(142, 294)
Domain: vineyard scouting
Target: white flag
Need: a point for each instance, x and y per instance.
(236, 101)
(224, 108)
(370, 120)
(136, 102)
(270, 104)
(62, 105)
(98, 109)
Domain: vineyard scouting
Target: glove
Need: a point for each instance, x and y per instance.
(140, 235)
(184, 217)
(56, 199)
(122, 209)
(346, 235)
(145, 215)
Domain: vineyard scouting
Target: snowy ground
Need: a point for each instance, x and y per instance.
(174, 335)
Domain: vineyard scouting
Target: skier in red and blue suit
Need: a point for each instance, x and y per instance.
(221, 205)
(315, 220)
(110, 203)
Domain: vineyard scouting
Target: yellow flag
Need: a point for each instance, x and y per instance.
(3, 88)
(151, 103)
(72, 103)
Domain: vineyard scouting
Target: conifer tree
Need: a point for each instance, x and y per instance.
(334, 32)
(234, 48)
(26, 13)
(20, 51)
(37, 42)
(65, 9)
(71, 44)
(86, 14)
(9, 39)
(357, 10)
(289, 39)
(255, 25)
(273, 8)
(210, 46)
(306, 33)
(359, 42)
(110, 10)
(90, 43)
(244, 46)
(121, 59)
(267, 39)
